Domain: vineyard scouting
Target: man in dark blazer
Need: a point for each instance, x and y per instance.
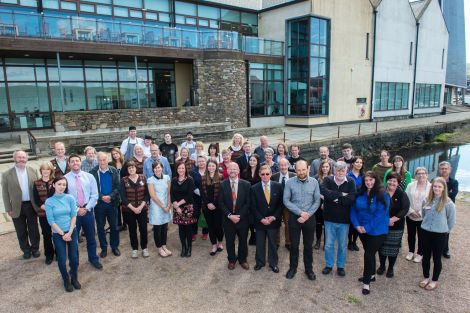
(245, 157)
(282, 177)
(266, 205)
(107, 179)
(17, 191)
(234, 200)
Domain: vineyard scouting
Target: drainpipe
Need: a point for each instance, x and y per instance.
(414, 72)
(373, 68)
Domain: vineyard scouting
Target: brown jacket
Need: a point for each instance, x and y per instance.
(11, 190)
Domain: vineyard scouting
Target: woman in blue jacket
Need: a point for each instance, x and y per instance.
(369, 216)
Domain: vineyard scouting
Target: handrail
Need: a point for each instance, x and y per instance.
(32, 142)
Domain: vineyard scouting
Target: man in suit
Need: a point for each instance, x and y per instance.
(243, 159)
(282, 177)
(234, 201)
(302, 198)
(266, 205)
(17, 191)
(83, 187)
(107, 178)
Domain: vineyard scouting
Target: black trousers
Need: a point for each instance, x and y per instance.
(261, 236)
(231, 233)
(414, 228)
(307, 230)
(446, 245)
(320, 222)
(47, 237)
(27, 229)
(433, 244)
(353, 234)
(132, 220)
(214, 223)
(160, 234)
(186, 234)
(371, 245)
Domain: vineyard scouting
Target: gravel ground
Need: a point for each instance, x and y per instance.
(203, 284)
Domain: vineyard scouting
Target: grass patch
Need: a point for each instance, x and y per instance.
(444, 137)
(352, 299)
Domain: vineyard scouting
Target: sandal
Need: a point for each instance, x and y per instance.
(424, 283)
(431, 286)
(162, 253)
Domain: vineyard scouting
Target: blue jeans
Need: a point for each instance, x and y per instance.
(87, 221)
(336, 232)
(103, 212)
(61, 252)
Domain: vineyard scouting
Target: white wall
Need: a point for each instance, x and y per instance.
(272, 121)
(433, 37)
(396, 28)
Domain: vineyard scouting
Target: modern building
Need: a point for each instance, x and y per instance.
(83, 66)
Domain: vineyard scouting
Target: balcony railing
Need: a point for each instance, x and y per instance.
(75, 28)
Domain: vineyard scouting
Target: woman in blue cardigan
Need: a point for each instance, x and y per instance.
(61, 212)
(369, 216)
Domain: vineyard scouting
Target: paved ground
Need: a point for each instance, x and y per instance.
(203, 284)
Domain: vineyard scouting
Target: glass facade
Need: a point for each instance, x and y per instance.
(266, 89)
(427, 96)
(308, 67)
(30, 89)
(391, 96)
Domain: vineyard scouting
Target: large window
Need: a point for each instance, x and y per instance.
(391, 96)
(308, 67)
(427, 96)
(266, 89)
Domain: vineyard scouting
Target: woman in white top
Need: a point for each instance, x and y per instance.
(160, 207)
(417, 191)
(199, 151)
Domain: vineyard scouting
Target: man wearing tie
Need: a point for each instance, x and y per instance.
(17, 191)
(302, 198)
(266, 204)
(243, 159)
(234, 201)
(82, 186)
(282, 177)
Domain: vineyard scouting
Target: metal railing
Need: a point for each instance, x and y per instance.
(76, 28)
(32, 142)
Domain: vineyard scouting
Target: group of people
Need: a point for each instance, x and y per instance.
(233, 193)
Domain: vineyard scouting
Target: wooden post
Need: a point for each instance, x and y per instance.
(376, 126)
(338, 131)
(284, 137)
(359, 130)
(311, 132)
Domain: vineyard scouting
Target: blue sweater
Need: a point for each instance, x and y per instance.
(374, 217)
(60, 209)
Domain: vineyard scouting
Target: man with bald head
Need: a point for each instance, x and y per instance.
(324, 153)
(264, 144)
(155, 155)
(60, 162)
(17, 191)
(234, 201)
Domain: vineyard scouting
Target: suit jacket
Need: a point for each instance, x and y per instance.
(242, 206)
(116, 182)
(275, 177)
(260, 208)
(242, 162)
(11, 190)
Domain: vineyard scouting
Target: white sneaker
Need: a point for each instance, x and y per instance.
(145, 253)
(418, 258)
(135, 254)
(409, 256)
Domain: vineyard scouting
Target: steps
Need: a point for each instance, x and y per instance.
(6, 156)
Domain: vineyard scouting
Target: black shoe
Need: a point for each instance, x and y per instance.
(49, 260)
(362, 278)
(350, 246)
(317, 245)
(103, 253)
(291, 273)
(327, 270)
(212, 253)
(75, 283)
(340, 271)
(365, 291)
(188, 252)
(252, 241)
(36, 254)
(446, 255)
(390, 273)
(355, 247)
(311, 275)
(116, 252)
(380, 270)
(287, 246)
(26, 255)
(258, 267)
(275, 269)
(219, 249)
(97, 265)
(183, 252)
(67, 285)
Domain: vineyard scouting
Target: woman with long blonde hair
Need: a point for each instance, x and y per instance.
(438, 219)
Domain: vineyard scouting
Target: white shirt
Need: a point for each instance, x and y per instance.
(128, 140)
(339, 183)
(235, 182)
(281, 176)
(22, 175)
(264, 186)
(146, 151)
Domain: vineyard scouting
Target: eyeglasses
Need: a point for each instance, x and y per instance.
(265, 174)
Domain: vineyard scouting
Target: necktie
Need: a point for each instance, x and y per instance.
(266, 193)
(80, 194)
(234, 196)
(247, 157)
(283, 181)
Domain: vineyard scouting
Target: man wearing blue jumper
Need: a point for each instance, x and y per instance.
(82, 186)
(302, 199)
